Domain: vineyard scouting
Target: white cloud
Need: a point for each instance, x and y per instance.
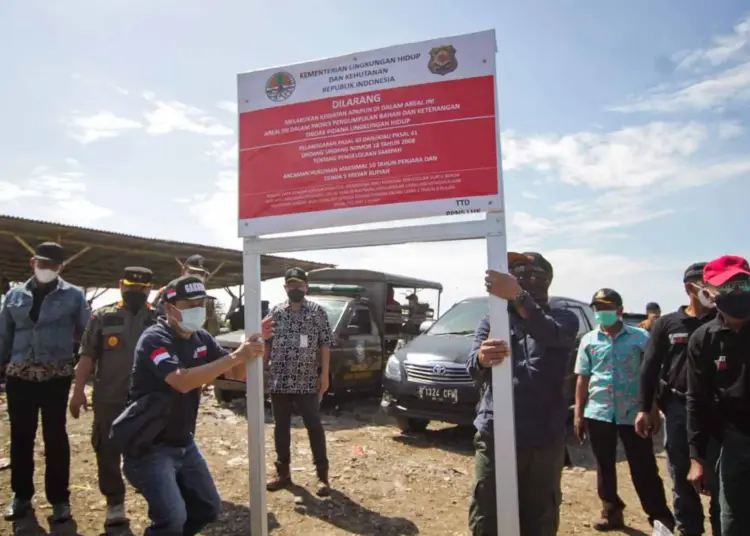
(13, 192)
(725, 47)
(51, 195)
(711, 92)
(224, 152)
(730, 129)
(173, 116)
(526, 194)
(219, 210)
(102, 125)
(731, 83)
(81, 211)
(227, 106)
(632, 157)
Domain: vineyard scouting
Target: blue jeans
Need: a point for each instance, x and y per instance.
(181, 495)
(734, 483)
(688, 510)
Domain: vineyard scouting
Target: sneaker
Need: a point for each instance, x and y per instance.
(17, 509)
(115, 515)
(61, 512)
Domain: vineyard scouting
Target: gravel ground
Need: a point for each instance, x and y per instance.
(384, 483)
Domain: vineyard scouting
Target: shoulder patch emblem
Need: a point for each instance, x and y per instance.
(113, 341)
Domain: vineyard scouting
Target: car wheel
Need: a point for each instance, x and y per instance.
(406, 424)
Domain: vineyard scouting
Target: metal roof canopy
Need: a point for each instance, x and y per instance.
(96, 259)
(340, 275)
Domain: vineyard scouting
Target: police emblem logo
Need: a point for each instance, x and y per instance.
(113, 341)
(443, 60)
(280, 86)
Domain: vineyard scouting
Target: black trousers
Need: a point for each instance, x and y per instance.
(641, 460)
(26, 399)
(308, 407)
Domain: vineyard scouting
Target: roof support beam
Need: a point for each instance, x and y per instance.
(215, 271)
(75, 256)
(25, 244)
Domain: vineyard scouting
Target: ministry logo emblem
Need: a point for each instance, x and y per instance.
(280, 86)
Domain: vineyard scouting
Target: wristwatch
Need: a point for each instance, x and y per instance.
(520, 298)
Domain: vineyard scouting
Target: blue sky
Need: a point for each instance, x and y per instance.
(624, 124)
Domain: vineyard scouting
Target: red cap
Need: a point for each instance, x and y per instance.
(719, 271)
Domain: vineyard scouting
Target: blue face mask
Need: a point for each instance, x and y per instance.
(606, 318)
(192, 319)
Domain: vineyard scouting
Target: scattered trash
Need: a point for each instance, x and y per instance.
(661, 530)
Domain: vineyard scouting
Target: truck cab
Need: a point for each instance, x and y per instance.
(365, 330)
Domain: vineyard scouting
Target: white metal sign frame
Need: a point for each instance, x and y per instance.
(493, 230)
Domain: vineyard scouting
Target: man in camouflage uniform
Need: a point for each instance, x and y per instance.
(194, 265)
(108, 346)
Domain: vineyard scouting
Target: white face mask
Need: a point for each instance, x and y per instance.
(704, 297)
(192, 319)
(45, 276)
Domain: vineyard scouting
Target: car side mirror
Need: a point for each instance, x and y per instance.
(424, 326)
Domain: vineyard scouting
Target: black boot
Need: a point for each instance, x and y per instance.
(323, 488)
(282, 479)
(17, 509)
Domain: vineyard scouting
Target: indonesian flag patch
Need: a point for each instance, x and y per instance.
(721, 363)
(678, 338)
(200, 352)
(159, 355)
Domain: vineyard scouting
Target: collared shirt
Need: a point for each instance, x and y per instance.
(294, 348)
(666, 354)
(37, 343)
(614, 368)
(718, 374)
(159, 352)
(541, 345)
(110, 340)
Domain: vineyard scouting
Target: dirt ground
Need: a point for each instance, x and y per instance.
(384, 483)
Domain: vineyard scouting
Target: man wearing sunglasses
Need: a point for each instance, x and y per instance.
(663, 384)
(541, 340)
(718, 396)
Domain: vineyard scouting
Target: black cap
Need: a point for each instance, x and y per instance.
(137, 275)
(50, 252)
(652, 307)
(533, 258)
(187, 287)
(196, 263)
(608, 296)
(694, 273)
(295, 274)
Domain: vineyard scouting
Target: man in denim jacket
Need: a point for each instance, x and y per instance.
(40, 322)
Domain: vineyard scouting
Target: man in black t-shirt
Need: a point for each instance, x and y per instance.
(176, 356)
(663, 383)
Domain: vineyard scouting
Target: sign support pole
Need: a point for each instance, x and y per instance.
(506, 477)
(256, 433)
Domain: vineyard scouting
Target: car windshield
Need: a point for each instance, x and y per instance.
(461, 319)
(334, 308)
